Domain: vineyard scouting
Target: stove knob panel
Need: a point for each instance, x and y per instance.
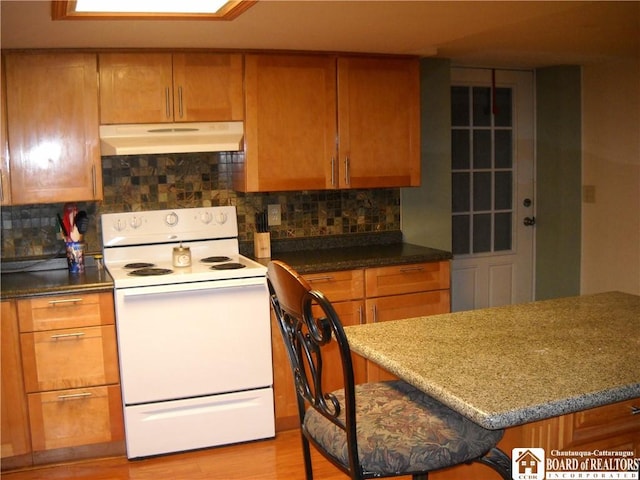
(171, 219)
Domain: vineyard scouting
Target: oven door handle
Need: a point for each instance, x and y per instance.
(193, 286)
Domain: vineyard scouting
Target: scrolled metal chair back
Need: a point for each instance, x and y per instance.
(308, 324)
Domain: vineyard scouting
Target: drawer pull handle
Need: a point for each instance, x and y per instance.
(326, 278)
(68, 300)
(635, 410)
(74, 396)
(417, 268)
(67, 335)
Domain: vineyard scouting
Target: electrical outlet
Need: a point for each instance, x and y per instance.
(275, 214)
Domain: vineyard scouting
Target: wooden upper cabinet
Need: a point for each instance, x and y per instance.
(290, 125)
(5, 182)
(165, 87)
(52, 109)
(379, 122)
(319, 122)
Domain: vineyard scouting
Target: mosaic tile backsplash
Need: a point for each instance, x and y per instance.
(153, 182)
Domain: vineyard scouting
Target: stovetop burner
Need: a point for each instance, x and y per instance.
(139, 265)
(217, 259)
(228, 266)
(146, 272)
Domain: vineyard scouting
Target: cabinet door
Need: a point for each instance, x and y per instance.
(5, 185)
(78, 357)
(16, 442)
(71, 418)
(290, 125)
(52, 111)
(395, 307)
(378, 122)
(207, 87)
(135, 88)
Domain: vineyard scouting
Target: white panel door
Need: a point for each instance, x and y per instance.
(493, 207)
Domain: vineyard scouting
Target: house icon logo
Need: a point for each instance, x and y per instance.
(527, 464)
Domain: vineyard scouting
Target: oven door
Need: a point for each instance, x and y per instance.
(193, 339)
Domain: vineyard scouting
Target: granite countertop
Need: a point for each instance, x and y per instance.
(51, 277)
(516, 364)
(349, 258)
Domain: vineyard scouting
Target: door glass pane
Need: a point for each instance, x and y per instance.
(482, 170)
(481, 106)
(482, 233)
(502, 234)
(460, 149)
(502, 145)
(461, 192)
(481, 149)
(461, 238)
(460, 106)
(503, 188)
(503, 107)
(481, 191)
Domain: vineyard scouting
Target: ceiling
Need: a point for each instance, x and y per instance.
(483, 33)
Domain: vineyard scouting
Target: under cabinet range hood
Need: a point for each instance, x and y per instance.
(153, 138)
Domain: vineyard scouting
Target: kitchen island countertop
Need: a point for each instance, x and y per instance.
(510, 365)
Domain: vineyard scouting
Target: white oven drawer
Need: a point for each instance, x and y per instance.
(199, 422)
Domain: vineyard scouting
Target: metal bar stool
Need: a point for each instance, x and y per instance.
(371, 430)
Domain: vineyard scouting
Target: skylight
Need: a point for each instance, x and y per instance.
(148, 9)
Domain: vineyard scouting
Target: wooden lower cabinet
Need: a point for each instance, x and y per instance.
(71, 423)
(612, 427)
(69, 382)
(16, 440)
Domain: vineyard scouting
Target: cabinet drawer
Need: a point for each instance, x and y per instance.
(69, 358)
(65, 311)
(604, 422)
(340, 285)
(79, 417)
(415, 277)
(395, 307)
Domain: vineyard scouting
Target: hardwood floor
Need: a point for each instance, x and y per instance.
(278, 459)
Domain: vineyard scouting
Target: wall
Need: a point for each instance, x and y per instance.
(611, 163)
(558, 182)
(136, 183)
(426, 210)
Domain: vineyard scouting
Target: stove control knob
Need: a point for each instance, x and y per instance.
(135, 222)
(171, 219)
(206, 217)
(221, 218)
(119, 225)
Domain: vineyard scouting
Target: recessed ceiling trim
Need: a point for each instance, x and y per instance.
(66, 10)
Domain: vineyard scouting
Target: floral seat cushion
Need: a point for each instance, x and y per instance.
(402, 430)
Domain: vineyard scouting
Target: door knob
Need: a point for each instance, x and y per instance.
(529, 221)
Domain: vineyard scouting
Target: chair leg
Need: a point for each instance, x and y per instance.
(306, 454)
(499, 461)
